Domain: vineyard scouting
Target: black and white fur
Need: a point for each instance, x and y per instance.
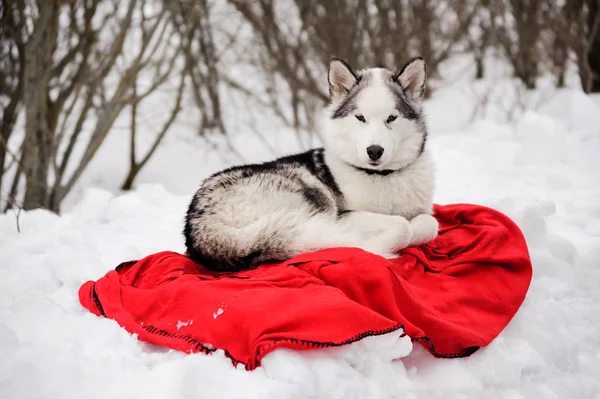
(370, 187)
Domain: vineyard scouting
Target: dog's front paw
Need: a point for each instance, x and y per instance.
(403, 233)
(424, 229)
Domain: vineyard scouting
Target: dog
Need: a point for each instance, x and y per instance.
(371, 186)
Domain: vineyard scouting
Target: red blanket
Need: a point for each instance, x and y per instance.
(453, 295)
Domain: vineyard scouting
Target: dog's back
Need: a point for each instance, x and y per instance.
(247, 215)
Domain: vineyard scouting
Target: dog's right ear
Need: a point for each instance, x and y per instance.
(341, 78)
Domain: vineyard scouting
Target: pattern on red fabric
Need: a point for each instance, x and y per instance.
(453, 295)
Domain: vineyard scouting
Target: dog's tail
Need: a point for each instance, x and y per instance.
(276, 236)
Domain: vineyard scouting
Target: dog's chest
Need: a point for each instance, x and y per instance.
(407, 195)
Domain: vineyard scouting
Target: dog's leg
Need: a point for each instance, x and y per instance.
(379, 233)
(424, 228)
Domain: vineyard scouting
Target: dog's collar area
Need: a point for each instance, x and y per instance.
(383, 172)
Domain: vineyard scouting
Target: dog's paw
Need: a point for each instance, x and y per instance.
(424, 228)
(402, 233)
(393, 233)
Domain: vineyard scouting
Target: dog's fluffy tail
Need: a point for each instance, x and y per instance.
(274, 237)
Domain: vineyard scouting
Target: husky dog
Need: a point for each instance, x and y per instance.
(370, 187)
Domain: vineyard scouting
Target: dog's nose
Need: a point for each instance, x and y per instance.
(375, 152)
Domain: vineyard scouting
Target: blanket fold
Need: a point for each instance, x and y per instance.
(453, 295)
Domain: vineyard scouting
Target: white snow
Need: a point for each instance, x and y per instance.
(541, 167)
(218, 313)
(184, 323)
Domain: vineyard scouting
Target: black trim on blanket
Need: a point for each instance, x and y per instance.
(199, 347)
(97, 300)
(329, 344)
(468, 351)
(125, 264)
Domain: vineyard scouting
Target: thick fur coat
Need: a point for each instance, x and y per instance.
(370, 187)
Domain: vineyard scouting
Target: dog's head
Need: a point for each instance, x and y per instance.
(375, 119)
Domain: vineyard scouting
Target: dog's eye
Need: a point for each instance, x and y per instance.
(361, 118)
(391, 118)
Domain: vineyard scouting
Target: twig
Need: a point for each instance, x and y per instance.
(16, 207)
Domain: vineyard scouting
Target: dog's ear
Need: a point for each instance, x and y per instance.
(341, 78)
(412, 78)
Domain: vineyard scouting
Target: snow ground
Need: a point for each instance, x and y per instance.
(542, 170)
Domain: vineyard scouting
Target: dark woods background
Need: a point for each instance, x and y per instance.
(69, 68)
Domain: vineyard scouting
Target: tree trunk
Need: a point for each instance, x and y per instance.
(128, 183)
(38, 141)
(6, 127)
(478, 67)
(2, 160)
(560, 81)
(526, 71)
(594, 61)
(588, 58)
(560, 56)
(15, 185)
(593, 56)
(530, 68)
(55, 196)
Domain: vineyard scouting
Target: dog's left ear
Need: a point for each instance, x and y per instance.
(412, 78)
